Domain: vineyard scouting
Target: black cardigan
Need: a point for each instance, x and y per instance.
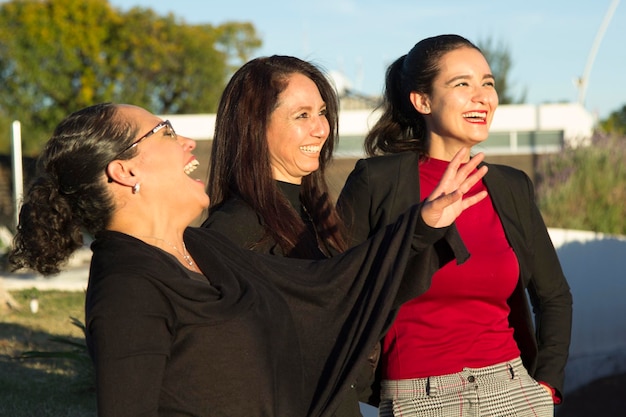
(263, 336)
(381, 188)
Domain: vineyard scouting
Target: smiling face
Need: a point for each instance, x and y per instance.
(460, 108)
(163, 164)
(297, 130)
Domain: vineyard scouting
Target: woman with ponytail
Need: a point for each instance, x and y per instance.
(467, 346)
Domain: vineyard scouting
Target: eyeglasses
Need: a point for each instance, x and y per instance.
(169, 132)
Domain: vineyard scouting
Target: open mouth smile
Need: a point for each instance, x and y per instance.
(475, 116)
(191, 166)
(310, 148)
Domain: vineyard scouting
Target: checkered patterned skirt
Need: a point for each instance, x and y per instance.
(501, 390)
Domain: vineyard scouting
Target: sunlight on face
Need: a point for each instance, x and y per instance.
(463, 100)
(165, 164)
(297, 130)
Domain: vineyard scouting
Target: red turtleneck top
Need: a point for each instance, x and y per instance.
(462, 320)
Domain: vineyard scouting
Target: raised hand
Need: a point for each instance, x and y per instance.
(446, 202)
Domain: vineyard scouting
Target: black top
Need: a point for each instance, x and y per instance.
(380, 188)
(244, 226)
(240, 223)
(261, 336)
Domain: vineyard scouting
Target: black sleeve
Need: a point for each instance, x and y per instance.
(551, 299)
(354, 204)
(545, 352)
(343, 304)
(129, 344)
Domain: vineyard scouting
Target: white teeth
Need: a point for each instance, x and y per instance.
(310, 148)
(474, 114)
(191, 167)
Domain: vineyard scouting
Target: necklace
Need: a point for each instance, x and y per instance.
(184, 253)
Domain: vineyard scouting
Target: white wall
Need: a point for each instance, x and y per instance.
(595, 266)
(576, 122)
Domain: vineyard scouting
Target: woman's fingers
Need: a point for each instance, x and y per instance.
(459, 177)
(447, 201)
(448, 181)
(473, 199)
(471, 180)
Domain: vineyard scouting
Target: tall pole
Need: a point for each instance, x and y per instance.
(18, 181)
(584, 80)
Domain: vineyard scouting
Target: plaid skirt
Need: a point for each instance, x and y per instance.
(501, 390)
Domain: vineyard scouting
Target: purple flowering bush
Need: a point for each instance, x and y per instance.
(584, 188)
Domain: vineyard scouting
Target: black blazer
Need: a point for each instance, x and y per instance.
(381, 188)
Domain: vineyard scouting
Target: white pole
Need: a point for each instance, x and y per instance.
(18, 181)
(584, 80)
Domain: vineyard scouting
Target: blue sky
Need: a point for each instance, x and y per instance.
(549, 41)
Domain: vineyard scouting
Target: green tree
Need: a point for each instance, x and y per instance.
(57, 56)
(584, 188)
(49, 51)
(238, 41)
(499, 58)
(615, 123)
(166, 66)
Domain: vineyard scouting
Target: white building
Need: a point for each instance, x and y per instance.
(515, 129)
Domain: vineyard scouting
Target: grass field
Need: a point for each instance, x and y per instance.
(56, 387)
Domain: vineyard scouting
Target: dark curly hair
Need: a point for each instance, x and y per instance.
(68, 194)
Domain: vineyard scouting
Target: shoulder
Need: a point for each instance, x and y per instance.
(510, 189)
(235, 219)
(506, 170)
(385, 169)
(390, 160)
(382, 173)
(230, 212)
(210, 242)
(126, 267)
(377, 191)
(125, 249)
(504, 175)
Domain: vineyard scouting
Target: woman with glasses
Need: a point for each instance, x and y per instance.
(181, 322)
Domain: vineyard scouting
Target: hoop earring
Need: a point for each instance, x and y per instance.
(136, 188)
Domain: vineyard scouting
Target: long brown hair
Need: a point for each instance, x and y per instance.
(240, 161)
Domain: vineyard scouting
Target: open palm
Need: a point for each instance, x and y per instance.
(446, 202)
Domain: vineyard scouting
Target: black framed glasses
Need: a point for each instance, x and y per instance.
(165, 124)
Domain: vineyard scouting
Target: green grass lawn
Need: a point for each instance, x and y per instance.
(44, 387)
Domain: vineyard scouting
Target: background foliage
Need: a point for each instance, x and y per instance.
(57, 56)
(499, 58)
(584, 188)
(615, 123)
